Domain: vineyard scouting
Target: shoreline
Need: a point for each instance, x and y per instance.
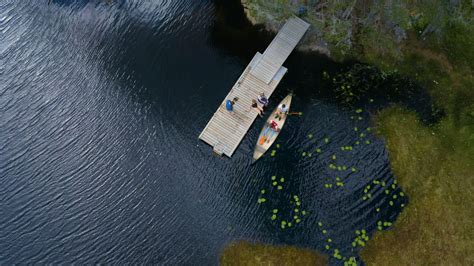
(437, 52)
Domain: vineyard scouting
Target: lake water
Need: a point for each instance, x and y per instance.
(100, 111)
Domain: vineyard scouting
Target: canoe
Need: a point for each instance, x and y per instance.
(267, 135)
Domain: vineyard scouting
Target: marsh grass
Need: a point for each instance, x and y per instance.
(245, 253)
(436, 170)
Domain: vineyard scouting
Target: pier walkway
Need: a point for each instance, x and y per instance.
(225, 131)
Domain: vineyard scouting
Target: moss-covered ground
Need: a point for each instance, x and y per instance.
(244, 253)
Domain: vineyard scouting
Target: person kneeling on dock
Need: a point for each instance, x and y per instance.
(282, 111)
(229, 105)
(262, 99)
(256, 108)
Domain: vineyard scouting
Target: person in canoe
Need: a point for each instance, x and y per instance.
(257, 108)
(282, 111)
(273, 128)
(262, 99)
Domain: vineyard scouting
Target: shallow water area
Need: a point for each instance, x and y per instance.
(101, 105)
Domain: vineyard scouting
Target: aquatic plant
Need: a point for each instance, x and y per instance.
(360, 239)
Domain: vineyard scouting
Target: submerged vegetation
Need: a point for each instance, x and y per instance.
(430, 43)
(245, 253)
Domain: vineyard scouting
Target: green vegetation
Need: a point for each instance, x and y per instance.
(244, 253)
(435, 168)
(431, 42)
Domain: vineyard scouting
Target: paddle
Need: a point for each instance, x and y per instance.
(296, 113)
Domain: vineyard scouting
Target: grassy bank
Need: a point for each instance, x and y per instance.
(244, 253)
(432, 43)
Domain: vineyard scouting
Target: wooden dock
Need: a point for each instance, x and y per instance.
(225, 131)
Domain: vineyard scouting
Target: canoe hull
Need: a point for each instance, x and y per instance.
(267, 137)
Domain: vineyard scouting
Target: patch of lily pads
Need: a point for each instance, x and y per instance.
(284, 220)
(361, 238)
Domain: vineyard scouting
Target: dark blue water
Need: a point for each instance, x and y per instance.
(100, 109)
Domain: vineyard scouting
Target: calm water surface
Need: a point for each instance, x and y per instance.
(100, 110)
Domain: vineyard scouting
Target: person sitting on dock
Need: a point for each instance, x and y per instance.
(257, 108)
(262, 99)
(229, 104)
(282, 111)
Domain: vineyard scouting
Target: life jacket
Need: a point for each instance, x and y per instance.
(273, 124)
